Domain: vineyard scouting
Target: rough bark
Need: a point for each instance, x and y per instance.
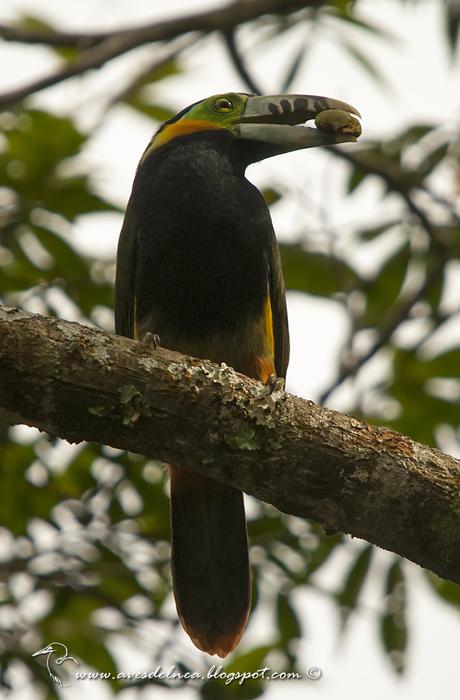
(82, 384)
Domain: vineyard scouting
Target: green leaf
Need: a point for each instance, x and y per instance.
(287, 621)
(346, 15)
(40, 141)
(217, 690)
(452, 23)
(158, 113)
(422, 412)
(408, 136)
(355, 578)
(446, 364)
(433, 158)
(159, 72)
(73, 196)
(34, 23)
(370, 234)
(315, 273)
(393, 627)
(447, 590)
(250, 660)
(271, 195)
(355, 178)
(294, 66)
(322, 553)
(226, 689)
(37, 24)
(364, 61)
(383, 291)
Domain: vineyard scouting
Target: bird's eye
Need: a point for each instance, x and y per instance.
(223, 104)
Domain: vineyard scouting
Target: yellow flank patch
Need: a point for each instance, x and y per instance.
(183, 127)
(268, 318)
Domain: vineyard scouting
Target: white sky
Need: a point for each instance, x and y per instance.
(423, 83)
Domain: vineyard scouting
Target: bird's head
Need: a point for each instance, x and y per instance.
(267, 124)
(49, 649)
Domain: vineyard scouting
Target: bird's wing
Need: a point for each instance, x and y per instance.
(124, 283)
(279, 310)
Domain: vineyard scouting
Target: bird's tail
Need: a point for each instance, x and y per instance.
(210, 566)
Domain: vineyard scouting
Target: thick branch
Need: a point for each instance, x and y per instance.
(82, 384)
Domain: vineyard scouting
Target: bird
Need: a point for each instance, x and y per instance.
(198, 266)
(48, 651)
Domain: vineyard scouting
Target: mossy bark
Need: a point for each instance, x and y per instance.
(83, 384)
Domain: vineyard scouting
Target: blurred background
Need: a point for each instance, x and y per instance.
(370, 239)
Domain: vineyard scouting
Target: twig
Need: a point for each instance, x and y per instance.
(403, 187)
(113, 44)
(396, 317)
(128, 90)
(238, 63)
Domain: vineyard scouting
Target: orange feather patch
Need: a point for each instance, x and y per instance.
(183, 127)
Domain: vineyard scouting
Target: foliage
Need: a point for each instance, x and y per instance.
(85, 530)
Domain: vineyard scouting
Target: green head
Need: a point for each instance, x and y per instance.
(222, 110)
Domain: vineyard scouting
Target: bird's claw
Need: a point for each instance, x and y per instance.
(152, 340)
(275, 384)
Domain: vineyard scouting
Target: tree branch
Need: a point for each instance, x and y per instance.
(102, 47)
(82, 384)
(403, 182)
(238, 62)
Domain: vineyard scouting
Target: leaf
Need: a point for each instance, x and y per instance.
(315, 273)
(271, 195)
(393, 627)
(226, 688)
(34, 23)
(218, 690)
(446, 364)
(159, 72)
(452, 24)
(294, 67)
(383, 291)
(73, 196)
(355, 178)
(355, 578)
(74, 271)
(407, 137)
(249, 660)
(322, 553)
(433, 158)
(37, 24)
(365, 62)
(287, 621)
(422, 412)
(158, 113)
(447, 590)
(345, 15)
(370, 234)
(40, 141)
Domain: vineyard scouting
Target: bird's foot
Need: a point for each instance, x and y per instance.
(275, 384)
(152, 340)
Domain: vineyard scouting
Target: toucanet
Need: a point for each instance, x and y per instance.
(198, 264)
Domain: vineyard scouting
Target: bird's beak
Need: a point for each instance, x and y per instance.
(45, 650)
(275, 120)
